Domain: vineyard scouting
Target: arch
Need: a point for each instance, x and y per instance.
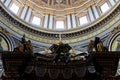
(8, 43)
(113, 40)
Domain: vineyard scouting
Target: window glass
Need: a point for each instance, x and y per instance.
(2, 0)
(36, 20)
(83, 20)
(60, 25)
(105, 7)
(14, 8)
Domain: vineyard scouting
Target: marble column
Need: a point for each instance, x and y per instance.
(27, 17)
(24, 12)
(68, 22)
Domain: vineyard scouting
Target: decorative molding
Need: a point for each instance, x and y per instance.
(8, 39)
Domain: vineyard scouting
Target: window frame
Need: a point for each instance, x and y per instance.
(59, 27)
(83, 22)
(32, 21)
(104, 11)
(12, 10)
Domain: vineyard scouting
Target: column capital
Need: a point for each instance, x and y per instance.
(28, 5)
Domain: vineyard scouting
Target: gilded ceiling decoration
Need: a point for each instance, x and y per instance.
(58, 4)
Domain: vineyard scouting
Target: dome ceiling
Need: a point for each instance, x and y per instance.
(71, 14)
(56, 4)
(81, 19)
(60, 15)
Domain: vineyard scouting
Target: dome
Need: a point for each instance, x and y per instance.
(47, 21)
(58, 15)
